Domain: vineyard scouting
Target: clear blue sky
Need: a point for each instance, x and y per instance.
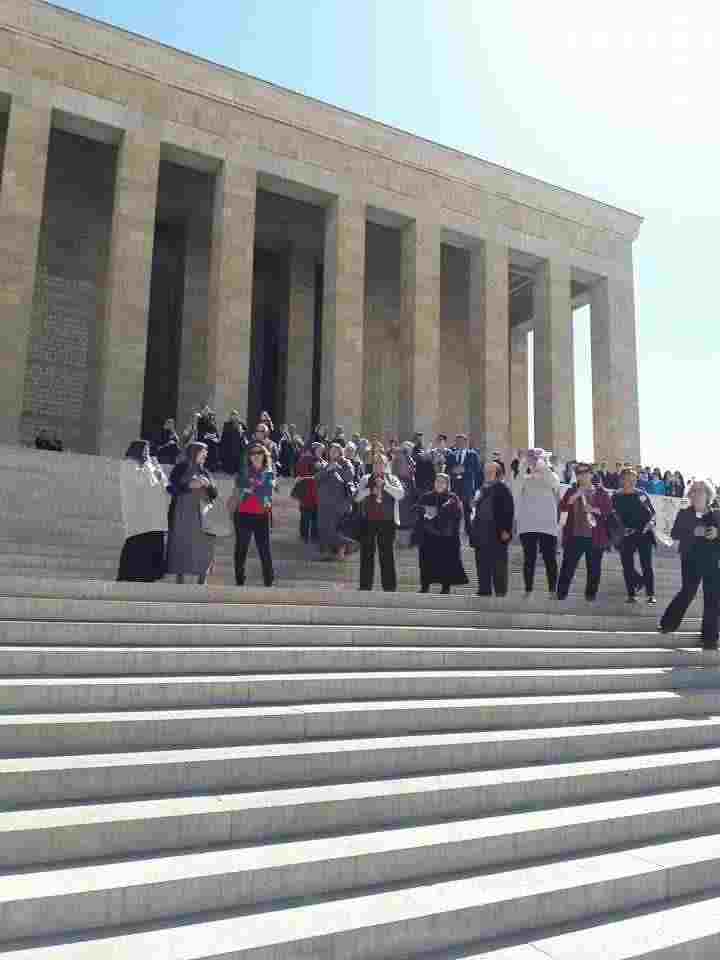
(618, 101)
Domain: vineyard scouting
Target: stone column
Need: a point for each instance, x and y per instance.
(616, 421)
(193, 373)
(343, 316)
(489, 342)
(420, 329)
(554, 363)
(123, 338)
(231, 288)
(21, 206)
(301, 341)
(519, 426)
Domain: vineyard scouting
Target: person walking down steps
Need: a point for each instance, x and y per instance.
(697, 530)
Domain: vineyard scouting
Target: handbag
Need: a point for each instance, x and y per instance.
(353, 524)
(300, 488)
(206, 518)
(615, 529)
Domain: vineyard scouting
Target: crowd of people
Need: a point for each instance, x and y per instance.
(355, 493)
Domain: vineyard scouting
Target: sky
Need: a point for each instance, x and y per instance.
(615, 100)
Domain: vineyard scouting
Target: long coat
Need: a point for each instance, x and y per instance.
(335, 490)
(190, 549)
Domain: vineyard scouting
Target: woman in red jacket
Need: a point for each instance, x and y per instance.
(308, 498)
(585, 533)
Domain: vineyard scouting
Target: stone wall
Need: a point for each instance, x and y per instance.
(61, 375)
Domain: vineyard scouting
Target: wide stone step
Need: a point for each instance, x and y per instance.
(685, 928)
(567, 635)
(56, 733)
(48, 902)
(403, 921)
(574, 766)
(90, 832)
(70, 694)
(97, 661)
(14, 587)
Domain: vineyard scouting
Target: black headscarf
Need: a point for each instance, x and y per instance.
(139, 451)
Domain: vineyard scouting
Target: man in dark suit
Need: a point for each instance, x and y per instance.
(466, 475)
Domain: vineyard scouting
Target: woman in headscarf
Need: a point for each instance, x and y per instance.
(145, 514)
(250, 507)
(437, 534)
(191, 550)
(168, 447)
(537, 497)
(335, 492)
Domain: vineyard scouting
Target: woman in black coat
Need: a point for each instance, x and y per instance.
(697, 529)
(437, 535)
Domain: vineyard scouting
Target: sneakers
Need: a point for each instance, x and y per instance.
(651, 599)
(631, 600)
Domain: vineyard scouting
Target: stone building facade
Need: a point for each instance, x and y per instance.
(175, 233)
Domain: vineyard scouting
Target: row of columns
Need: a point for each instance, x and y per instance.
(497, 359)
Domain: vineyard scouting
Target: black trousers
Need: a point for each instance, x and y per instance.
(380, 536)
(247, 526)
(696, 569)
(548, 549)
(642, 543)
(309, 524)
(491, 562)
(576, 548)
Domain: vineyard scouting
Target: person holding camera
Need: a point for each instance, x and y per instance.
(584, 510)
(696, 530)
(379, 494)
(637, 515)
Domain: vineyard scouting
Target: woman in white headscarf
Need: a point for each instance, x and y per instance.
(537, 496)
(144, 503)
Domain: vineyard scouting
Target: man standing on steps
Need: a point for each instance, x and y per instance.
(465, 469)
(583, 515)
(491, 532)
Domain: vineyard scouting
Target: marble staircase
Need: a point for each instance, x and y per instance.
(197, 773)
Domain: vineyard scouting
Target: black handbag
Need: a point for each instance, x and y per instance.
(353, 524)
(300, 488)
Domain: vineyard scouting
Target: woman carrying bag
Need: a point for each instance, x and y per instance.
(191, 549)
(437, 535)
(251, 507)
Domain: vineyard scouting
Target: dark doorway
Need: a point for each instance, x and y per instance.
(160, 395)
(269, 341)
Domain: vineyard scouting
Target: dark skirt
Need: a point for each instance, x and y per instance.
(143, 558)
(440, 560)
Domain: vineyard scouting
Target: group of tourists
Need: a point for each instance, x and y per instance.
(650, 480)
(359, 494)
